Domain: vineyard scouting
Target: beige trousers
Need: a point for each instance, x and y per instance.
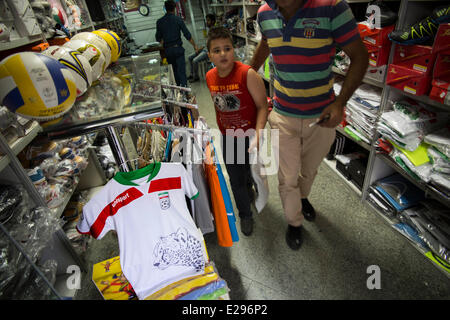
(301, 150)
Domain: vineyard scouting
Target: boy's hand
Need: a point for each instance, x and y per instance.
(254, 145)
(336, 112)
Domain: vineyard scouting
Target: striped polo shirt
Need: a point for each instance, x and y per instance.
(303, 50)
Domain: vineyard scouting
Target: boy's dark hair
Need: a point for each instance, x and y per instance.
(212, 17)
(218, 33)
(169, 5)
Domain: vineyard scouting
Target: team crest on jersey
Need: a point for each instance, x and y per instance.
(309, 27)
(164, 200)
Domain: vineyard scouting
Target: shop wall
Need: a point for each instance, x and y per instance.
(143, 29)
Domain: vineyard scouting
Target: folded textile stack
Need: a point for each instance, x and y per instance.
(361, 111)
(394, 194)
(113, 285)
(406, 127)
(431, 220)
(439, 153)
(408, 123)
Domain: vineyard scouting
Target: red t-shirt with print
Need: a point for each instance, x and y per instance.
(235, 108)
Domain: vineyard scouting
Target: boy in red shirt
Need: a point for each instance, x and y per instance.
(240, 100)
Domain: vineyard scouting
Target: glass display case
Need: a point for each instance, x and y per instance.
(129, 90)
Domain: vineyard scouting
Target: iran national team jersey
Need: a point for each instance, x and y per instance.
(158, 240)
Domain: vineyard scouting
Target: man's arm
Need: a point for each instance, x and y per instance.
(359, 60)
(257, 90)
(261, 53)
(187, 34)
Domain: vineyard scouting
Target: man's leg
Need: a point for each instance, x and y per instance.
(289, 165)
(316, 143)
(181, 66)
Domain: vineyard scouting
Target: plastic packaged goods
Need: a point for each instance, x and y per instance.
(31, 229)
(440, 139)
(409, 122)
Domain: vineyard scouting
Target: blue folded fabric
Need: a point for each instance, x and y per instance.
(401, 193)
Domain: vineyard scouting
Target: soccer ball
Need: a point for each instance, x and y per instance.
(78, 65)
(91, 53)
(36, 86)
(97, 41)
(113, 41)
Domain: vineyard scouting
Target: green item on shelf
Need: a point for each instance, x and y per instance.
(417, 157)
(405, 167)
(438, 261)
(350, 133)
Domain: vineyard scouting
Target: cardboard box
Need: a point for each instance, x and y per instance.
(419, 58)
(375, 37)
(378, 56)
(408, 80)
(442, 39)
(441, 70)
(440, 95)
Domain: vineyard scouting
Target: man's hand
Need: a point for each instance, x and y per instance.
(336, 112)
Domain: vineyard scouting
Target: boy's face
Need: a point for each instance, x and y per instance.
(221, 53)
(209, 23)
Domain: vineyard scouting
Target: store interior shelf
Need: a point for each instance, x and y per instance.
(424, 99)
(429, 190)
(360, 143)
(392, 222)
(20, 42)
(21, 143)
(332, 165)
(365, 80)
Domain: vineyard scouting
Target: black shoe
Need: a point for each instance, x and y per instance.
(294, 237)
(190, 78)
(247, 226)
(194, 80)
(308, 211)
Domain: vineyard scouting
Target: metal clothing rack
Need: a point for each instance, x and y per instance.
(123, 161)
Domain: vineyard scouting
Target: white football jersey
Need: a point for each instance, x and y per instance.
(158, 240)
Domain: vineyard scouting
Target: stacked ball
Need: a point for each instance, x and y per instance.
(44, 86)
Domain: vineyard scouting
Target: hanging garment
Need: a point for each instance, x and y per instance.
(203, 214)
(158, 240)
(218, 205)
(228, 204)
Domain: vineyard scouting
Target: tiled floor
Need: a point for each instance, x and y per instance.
(346, 238)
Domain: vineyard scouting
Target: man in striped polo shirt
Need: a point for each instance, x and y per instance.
(302, 35)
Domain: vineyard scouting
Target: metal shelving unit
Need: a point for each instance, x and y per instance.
(381, 165)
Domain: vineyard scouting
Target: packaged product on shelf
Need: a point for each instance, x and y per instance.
(431, 221)
(409, 122)
(398, 192)
(440, 139)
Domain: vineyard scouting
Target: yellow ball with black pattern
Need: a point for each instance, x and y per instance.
(78, 65)
(113, 41)
(36, 86)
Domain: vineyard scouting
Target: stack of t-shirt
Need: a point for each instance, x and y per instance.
(439, 154)
(361, 111)
(405, 127)
(408, 123)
